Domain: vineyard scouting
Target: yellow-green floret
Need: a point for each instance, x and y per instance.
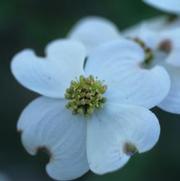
(85, 95)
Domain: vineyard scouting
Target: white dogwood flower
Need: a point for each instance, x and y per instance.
(94, 31)
(171, 6)
(93, 114)
(165, 48)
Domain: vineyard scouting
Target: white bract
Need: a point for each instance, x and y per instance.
(171, 6)
(104, 140)
(165, 46)
(94, 31)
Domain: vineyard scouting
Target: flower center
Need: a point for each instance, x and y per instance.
(85, 95)
(148, 51)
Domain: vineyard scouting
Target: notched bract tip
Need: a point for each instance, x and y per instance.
(165, 46)
(130, 149)
(43, 150)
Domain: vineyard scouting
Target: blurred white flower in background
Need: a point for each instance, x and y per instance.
(110, 120)
(171, 21)
(94, 31)
(165, 47)
(156, 24)
(171, 6)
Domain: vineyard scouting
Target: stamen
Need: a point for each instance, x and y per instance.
(85, 95)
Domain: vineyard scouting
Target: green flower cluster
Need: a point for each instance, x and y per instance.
(85, 95)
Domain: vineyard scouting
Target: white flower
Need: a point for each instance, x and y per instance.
(94, 31)
(113, 121)
(171, 6)
(165, 46)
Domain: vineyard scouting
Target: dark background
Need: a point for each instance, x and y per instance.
(32, 24)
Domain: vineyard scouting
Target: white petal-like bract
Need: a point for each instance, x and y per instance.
(94, 31)
(112, 129)
(120, 66)
(46, 123)
(50, 76)
(172, 102)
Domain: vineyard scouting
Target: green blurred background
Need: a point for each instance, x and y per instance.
(32, 24)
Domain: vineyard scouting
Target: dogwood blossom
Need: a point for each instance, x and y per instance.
(165, 47)
(92, 114)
